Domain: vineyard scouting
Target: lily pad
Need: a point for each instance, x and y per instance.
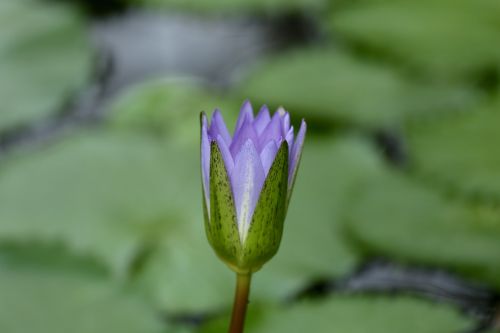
(332, 85)
(44, 57)
(104, 195)
(399, 218)
(427, 35)
(353, 315)
(458, 152)
(166, 107)
(41, 301)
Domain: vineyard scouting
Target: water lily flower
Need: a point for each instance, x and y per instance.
(248, 179)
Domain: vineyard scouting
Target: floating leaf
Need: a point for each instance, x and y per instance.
(44, 58)
(401, 219)
(168, 107)
(428, 35)
(459, 151)
(103, 195)
(45, 255)
(44, 302)
(332, 85)
(353, 315)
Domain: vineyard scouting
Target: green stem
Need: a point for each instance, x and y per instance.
(240, 303)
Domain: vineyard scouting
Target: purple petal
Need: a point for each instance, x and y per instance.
(296, 152)
(246, 111)
(267, 156)
(247, 180)
(246, 132)
(226, 154)
(262, 119)
(271, 132)
(285, 122)
(205, 160)
(218, 127)
(281, 112)
(289, 139)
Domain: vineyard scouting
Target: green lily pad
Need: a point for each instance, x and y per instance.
(328, 84)
(353, 315)
(169, 108)
(405, 220)
(458, 151)
(40, 301)
(427, 35)
(312, 246)
(45, 256)
(330, 171)
(104, 195)
(44, 57)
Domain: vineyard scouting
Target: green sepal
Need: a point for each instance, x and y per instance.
(264, 236)
(222, 227)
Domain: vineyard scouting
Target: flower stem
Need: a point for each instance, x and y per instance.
(240, 302)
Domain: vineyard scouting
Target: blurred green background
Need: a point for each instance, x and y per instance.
(394, 225)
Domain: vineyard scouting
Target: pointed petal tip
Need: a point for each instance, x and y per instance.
(296, 153)
(244, 132)
(216, 112)
(246, 111)
(301, 135)
(203, 118)
(246, 107)
(264, 112)
(203, 124)
(262, 119)
(303, 126)
(218, 126)
(303, 122)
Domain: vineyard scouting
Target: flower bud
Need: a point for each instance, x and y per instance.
(247, 183)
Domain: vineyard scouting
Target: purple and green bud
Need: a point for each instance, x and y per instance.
(247, 183)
